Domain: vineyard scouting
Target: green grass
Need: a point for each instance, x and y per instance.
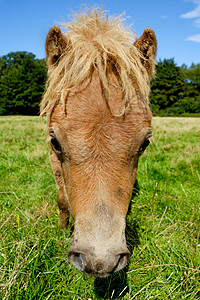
(162, 224)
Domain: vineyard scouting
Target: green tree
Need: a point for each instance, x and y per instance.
(22, 81)
(193, 74)
(167, 87)
(176, 90)
(190, 96)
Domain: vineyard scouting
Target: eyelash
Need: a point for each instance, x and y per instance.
(144, 145)
(55, 144)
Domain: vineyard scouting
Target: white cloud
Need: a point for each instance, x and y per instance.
(194, 14)
(163, 17)
(194, 38)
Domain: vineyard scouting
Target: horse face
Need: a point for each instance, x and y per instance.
(94, 156)
(98, 126)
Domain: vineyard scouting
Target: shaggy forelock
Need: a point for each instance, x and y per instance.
(96, 42)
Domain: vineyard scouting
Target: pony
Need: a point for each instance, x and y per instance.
(98, 125)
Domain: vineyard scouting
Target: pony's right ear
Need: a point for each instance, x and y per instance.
(56, 44)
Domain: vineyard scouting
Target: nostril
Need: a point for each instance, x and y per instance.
(77, 259)
(123, 259)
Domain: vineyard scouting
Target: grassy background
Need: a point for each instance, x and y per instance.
(162, 223)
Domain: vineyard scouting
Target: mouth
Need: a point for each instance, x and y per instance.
(99, 266)
(98, 274)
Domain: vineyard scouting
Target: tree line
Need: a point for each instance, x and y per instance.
(22, 83)
(174, 91)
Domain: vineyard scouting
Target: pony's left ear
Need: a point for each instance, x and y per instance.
(147, 46)
(56, 43)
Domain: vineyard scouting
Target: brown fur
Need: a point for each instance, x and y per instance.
(95, 42)
(98, 120)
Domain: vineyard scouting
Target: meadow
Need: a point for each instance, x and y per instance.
(163, 222)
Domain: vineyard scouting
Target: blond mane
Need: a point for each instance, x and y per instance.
(96, 42)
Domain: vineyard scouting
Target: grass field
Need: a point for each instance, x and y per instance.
(163, 231)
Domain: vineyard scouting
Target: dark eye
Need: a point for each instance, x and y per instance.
(144, 145)
(55, 144)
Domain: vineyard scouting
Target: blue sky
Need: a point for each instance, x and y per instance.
(25, 23)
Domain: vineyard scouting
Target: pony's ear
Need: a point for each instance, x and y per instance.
(56, 44)
(147, 46)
